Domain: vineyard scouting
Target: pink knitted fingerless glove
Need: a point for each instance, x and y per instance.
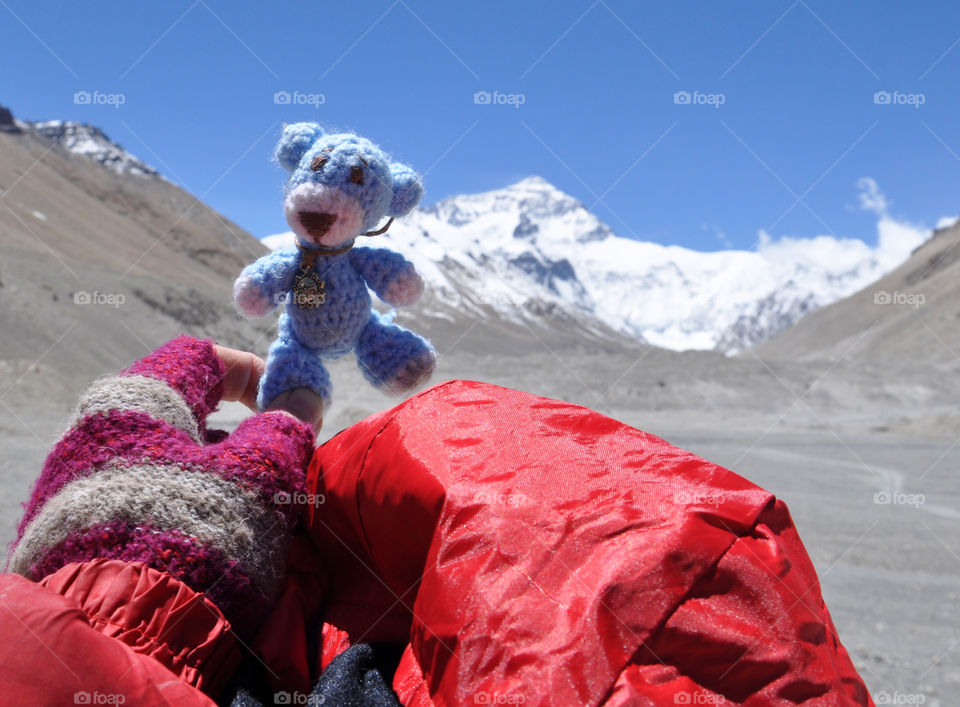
(137, 477)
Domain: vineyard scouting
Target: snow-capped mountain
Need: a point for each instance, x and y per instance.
(90, 141)
(530, 248)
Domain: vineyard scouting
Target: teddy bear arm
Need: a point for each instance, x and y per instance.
(393, 278)
(261, 285)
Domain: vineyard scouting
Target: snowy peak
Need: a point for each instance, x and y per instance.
(530, 209)
(90, 141)
(536, 184)
(529, 248)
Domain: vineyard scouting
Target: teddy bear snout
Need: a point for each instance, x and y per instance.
(317, 223)
(323, 216)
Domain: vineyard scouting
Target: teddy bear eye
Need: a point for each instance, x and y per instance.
(320, 159)
(356, 175)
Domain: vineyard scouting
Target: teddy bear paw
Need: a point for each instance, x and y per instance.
(250, 300)
(405, 289)
(414, 372)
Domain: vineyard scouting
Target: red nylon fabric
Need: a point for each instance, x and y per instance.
(154, 614)
(283, 641)
(54, 653)
(529, 551)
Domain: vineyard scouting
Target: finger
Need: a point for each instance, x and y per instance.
(243, 372)
(303, 404)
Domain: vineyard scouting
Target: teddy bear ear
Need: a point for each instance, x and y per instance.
(407, 189)
(294, 142)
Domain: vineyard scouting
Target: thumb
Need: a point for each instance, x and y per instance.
(242, 375)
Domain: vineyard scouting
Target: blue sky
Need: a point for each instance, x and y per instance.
(601, 116)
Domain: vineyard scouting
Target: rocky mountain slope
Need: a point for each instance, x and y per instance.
(910, 318)
(101, 259)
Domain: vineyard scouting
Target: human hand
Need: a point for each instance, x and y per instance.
(243, 372)
(139, 478)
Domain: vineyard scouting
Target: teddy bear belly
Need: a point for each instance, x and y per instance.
(334, 327)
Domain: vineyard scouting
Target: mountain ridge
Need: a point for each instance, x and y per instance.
(99, 264)
(91, 141)
(532, 261)
(530, 243)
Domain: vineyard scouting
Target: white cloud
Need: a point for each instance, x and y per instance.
(896, 239)
(279, 240)
(871, 198)
(820, 252)
(947, 222)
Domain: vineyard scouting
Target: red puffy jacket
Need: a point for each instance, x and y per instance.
(524, 550)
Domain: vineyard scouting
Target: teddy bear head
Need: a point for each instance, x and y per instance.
(341, 185)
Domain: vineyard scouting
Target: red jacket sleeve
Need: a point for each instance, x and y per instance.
(529, 550)
(111, 632)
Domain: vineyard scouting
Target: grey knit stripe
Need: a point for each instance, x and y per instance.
(139, 393)
(200, 504)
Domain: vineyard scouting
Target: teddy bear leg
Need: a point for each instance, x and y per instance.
(392, 358)
(292, 365)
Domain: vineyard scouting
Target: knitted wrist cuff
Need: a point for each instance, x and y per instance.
(191, 368)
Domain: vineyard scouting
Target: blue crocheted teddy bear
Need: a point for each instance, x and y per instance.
(340, 187)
